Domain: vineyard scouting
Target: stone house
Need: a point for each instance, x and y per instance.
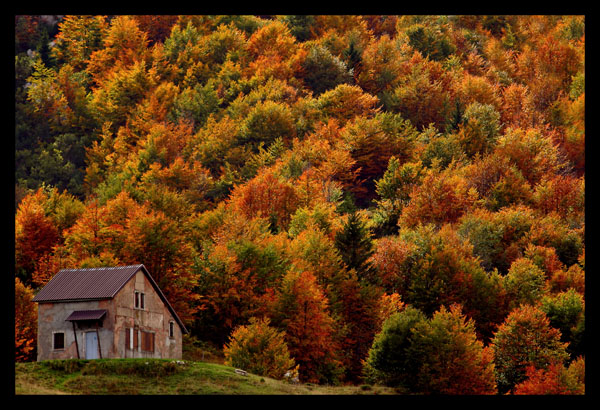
(112, 312)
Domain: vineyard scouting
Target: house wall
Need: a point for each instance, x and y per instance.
(121, 314)
(154, 318)
(51, 318)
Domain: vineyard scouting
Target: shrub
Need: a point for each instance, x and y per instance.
(140, 367)
(440, 355)
(66, 366)
(259, 349)
(389, 362)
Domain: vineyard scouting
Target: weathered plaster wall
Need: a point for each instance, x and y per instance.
(154, 317)
(51, 318)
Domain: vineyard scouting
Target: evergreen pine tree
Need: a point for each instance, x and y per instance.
(356, 246)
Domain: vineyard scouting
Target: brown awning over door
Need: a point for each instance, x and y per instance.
(78, 315)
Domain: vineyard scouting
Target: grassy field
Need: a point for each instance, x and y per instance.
(159, 377)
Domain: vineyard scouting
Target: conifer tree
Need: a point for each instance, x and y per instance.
(356, 246)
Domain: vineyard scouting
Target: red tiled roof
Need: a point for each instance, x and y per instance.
(86, 315)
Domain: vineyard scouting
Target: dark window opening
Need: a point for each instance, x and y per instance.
(59, 341)
(139, 300)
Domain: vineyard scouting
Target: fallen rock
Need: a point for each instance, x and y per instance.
(241, 372)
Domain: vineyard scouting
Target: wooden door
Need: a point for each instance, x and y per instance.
(91, 345)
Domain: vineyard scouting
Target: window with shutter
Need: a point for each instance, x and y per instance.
(147, 341)
(131, 339)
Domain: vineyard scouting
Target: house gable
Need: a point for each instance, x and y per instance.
(153, 317)
(163, 298)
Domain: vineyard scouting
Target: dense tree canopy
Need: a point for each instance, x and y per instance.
(398, 199)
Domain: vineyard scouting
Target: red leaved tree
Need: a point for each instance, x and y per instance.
(25, 323)
(266, 196)
(302, 311)
(35, 236)
(443, 197)
(556, 379)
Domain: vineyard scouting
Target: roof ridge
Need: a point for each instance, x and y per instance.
(106, 267)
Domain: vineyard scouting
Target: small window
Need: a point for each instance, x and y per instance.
(138, 300)
(59, 340)
(171, 329)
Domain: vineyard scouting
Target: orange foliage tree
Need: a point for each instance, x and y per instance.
(266, 196)
(430, 268)
(562, 194)
(532, 151)
(371, 143)
(35, 236)
(239, 272)
(302, 310)
(360, 315)
(25, 323)
(123, 46)
(443, 197)
(498, 182)
(259, 348)
(273, 52)
(424, 94)
(556, 379)
(157, 27)
(78, 38)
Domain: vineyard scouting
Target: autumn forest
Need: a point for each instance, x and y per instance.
(394, 200)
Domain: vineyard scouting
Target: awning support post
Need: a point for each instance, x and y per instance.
(98, 334)
(76, 344)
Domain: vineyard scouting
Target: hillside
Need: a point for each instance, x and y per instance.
(159, 377)
(357, 193)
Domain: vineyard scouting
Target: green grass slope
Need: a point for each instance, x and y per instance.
(159, 377)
